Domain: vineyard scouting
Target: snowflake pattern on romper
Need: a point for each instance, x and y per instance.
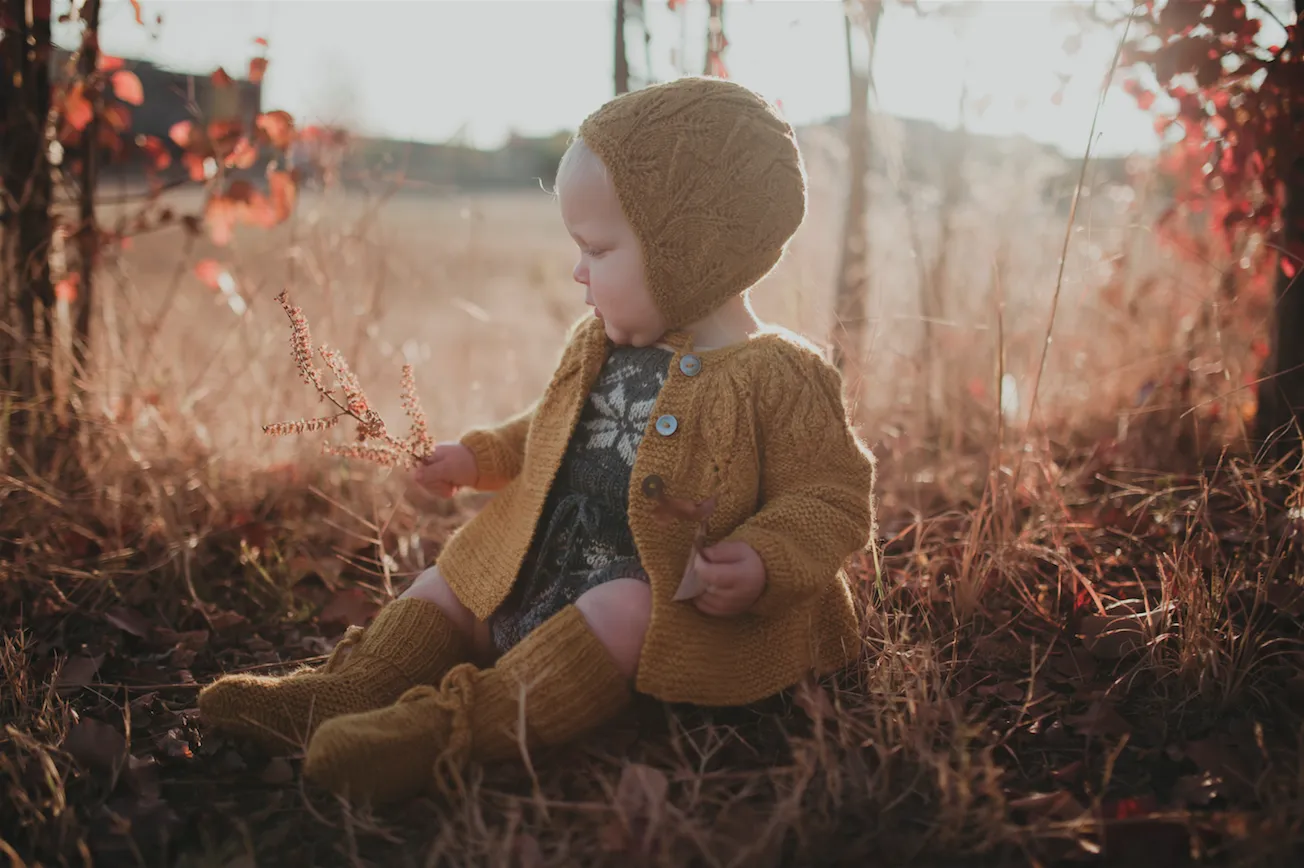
(583, 537)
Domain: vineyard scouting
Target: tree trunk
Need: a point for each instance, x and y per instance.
(622, 58)
(25, 353)
(1281, 394)
(1280, 416)
(853, 268)
(88, 229)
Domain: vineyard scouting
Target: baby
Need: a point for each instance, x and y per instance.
(557, 600)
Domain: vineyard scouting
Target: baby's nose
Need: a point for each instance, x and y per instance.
(581, 273)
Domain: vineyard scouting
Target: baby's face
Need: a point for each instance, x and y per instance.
(610, 266)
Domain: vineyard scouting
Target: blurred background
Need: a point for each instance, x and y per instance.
(408, 151)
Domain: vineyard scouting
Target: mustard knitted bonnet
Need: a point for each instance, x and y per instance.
(710, 178)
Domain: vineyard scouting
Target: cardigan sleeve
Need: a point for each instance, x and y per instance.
(817, 482)
(499, 450)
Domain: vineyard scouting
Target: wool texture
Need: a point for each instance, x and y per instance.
(709, 176)
(410, 642)
(761, 425)
(559, 681)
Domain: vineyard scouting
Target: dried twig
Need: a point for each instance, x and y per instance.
(374, 442)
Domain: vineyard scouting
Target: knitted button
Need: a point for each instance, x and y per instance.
(666, 425)
(653, 486)
(689, 365)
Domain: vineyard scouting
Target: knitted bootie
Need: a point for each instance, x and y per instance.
(410, 642)
(563, 674)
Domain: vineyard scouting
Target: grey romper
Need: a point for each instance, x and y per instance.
(583, 537)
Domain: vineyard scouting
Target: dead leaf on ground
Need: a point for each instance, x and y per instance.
(129, 621)
(191, 640)
(1101, 719)
(175, 744)
(1074, 664)
(1224, 762)
(277, 772)
(1005, 691)
(78, 672)
(1070, 773)
(223, 619)
(1059, 805)
(1126, 627)
(350, 606)
(142, 777)
(96, 745)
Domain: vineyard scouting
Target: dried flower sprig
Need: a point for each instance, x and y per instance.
(374, 442)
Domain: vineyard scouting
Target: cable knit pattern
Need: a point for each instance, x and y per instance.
(762, 425)
(711, 181)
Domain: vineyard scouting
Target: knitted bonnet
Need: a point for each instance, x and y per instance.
(710, 178)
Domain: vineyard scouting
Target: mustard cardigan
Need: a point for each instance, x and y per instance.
(760, 424)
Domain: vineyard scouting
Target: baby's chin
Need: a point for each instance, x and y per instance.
(622, 338)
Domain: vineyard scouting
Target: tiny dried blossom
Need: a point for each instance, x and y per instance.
(382, 454)
(419, 440)
(301, 426)
(301, 343)
(374, 442)
(369, 422)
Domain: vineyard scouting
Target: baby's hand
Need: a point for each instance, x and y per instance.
(450, 468)
(734, 575)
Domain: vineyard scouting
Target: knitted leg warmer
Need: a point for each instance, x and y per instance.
(410, 642)
(561, 672)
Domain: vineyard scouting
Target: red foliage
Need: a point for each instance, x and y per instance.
(127, 87)
(1240, 109)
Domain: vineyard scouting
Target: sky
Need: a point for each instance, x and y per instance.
(433, 70)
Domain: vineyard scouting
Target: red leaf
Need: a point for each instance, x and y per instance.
(243, 155)
(257, 69)
(127, 87)
(66, 289)
(108, 62)
(153, 147)
(278, 128)
(135, 7)
(118, 117)
(224, 135)
(77, 109)
(1288, 268)
(209, 271)
(260, 41)
(220, 78)
(195, 166)
(182, 132)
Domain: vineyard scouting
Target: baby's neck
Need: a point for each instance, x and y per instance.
(733, 323)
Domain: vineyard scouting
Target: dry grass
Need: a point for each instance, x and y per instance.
(1008, 708)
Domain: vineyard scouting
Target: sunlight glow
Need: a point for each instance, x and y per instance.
(450, 68)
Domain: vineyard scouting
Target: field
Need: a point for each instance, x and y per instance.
(1081, 627)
